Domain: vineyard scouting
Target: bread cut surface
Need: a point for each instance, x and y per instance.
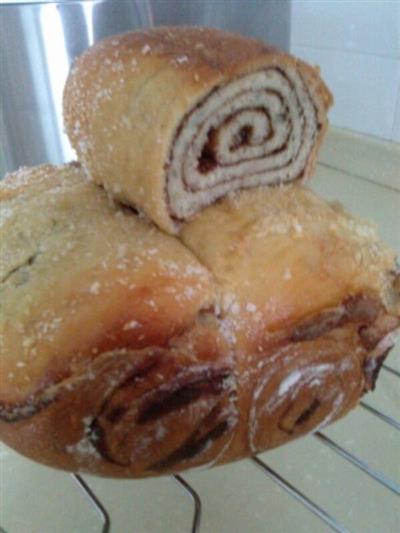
(171, 119)
(126, 352)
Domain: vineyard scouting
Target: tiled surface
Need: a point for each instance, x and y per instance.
(357, 46)
(239, 498)
(371, 27)
(396, 125)
(363, 198)
(373, 159)
(364, 86)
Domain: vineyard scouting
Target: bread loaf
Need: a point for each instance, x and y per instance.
(171, 119)
(126, 352)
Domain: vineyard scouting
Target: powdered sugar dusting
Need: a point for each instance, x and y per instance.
(288, 382)
(182, 59)
(84, 447)
(307, 376)
(132, 324)
(305, 373)
(228, 330)
(287, 274)
(95, 287)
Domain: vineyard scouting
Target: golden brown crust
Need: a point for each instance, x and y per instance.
(303, 244)
(302, 283)
(145, 360)
(113, 276)
(127, 97)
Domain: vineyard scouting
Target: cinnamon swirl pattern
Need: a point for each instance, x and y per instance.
(157, 354)
(171, 119)
(258, 129)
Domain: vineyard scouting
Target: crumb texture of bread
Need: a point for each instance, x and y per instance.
(171, 119)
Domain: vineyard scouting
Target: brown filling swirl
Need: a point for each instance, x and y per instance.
(312, 389)
(242, 135)
(155, 413)
(173, 423)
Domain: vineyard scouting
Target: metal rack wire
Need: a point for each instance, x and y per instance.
(322, 514)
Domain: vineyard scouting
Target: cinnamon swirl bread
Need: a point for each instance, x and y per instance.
(171, 119)
(126, 352)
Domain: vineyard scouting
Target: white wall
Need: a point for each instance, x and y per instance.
(357, 45)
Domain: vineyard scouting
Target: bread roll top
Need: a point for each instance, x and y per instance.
(171, 119)
(81, 275)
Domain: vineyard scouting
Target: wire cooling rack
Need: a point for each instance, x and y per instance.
(105, 518)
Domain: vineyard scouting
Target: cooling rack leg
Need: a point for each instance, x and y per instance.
(196, 500)
(380, 478)
(96, 503)
(392, 370)
(299, 496)
(386, 418)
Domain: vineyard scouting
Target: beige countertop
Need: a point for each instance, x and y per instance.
(364, 174)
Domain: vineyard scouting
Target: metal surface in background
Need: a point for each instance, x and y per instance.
(39, 41)
(264, 19)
